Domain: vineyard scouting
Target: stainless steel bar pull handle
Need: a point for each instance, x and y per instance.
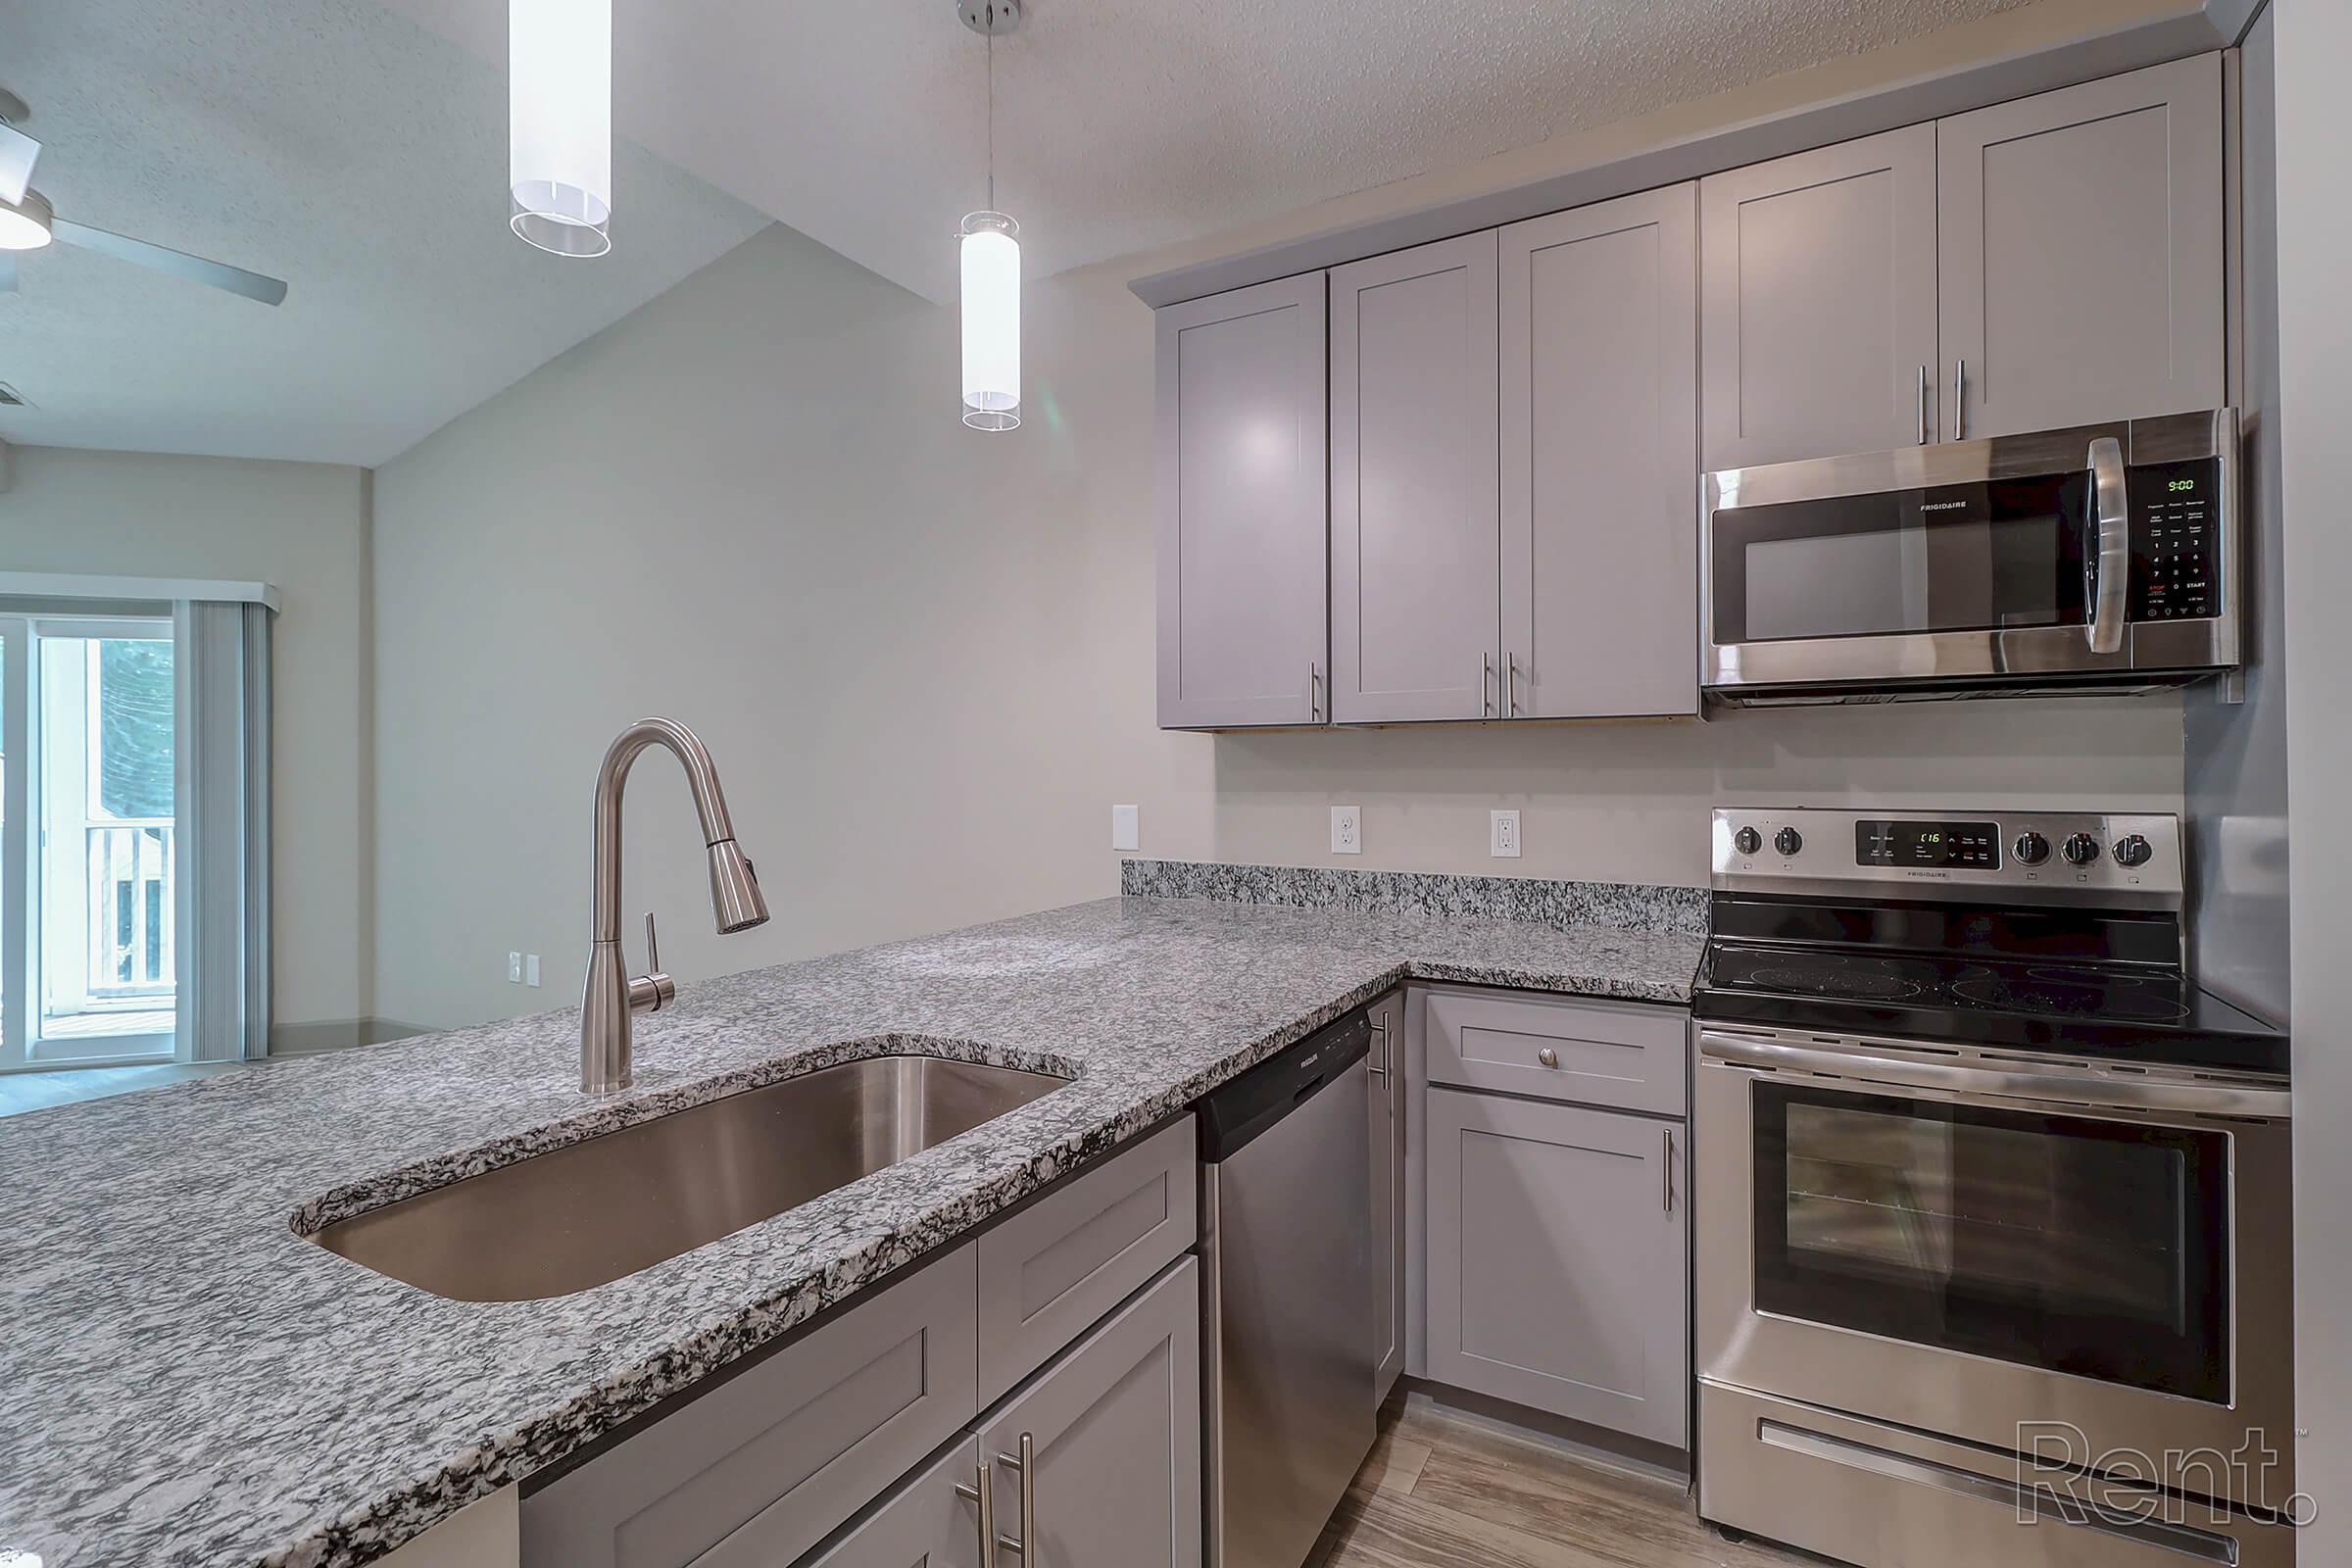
(1668, 1165)
(1959, 398)
(1924, 432)
(1380, 1027)
(1510, 686)
(982, 1494)
(1313, 679)
(2111, 561)
(1026, 1465)
(1486, 675)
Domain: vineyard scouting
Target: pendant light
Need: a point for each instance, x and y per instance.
(560, 123)
(991, 247)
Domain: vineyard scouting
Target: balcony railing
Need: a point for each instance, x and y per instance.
(130, 904)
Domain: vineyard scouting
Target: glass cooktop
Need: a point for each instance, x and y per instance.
(2095, 1010)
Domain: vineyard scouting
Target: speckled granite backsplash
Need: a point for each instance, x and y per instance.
(1620, 906)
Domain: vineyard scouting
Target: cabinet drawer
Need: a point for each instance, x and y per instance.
(757, 1470)
(1055, 1268)
(1621, 1054)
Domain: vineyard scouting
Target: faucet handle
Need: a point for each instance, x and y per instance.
(651, 991)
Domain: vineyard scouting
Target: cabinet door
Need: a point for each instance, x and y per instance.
(2083, 253)
(1601, 460)
(1413, 484)
(1242, 519)
(924, 1524)
(1115, 1432)
(1387, 1100)
(1817, 321)
(1556, 1274)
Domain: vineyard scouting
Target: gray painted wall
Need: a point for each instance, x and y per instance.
(2234, 755)
(2314, 254)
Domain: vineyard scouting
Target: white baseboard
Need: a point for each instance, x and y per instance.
(336, 1034)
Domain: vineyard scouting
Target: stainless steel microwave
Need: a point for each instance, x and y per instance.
(2103, 557)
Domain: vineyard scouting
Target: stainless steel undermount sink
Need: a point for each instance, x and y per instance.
(593, 1212)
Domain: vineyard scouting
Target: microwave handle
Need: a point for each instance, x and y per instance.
(2112, 568)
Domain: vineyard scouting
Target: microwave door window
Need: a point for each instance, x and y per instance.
(1991, 557)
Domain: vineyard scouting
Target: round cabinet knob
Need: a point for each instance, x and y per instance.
(2134, 851)
(1747, 841)
(2081, 849)
(1787, 841)
(2031, 849)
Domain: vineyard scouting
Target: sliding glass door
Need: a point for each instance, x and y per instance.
(90, 960)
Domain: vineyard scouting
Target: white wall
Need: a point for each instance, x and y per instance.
(2315, 256)
(922, 657)
(302, 526)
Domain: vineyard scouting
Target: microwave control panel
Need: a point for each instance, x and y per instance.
(2176, 540)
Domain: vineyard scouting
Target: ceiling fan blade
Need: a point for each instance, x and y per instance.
(8, 275)
(180, 263)
(18, 154)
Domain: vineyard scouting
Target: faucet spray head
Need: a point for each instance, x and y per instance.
(735, 901)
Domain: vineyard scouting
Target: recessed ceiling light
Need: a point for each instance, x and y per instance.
(24, 224)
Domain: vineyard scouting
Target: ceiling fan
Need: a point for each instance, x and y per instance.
(27, 224)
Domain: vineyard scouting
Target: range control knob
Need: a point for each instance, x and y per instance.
(1787, 841)
(2133, 849)
(2081, 849)
(2031, 849)
(1747, 841)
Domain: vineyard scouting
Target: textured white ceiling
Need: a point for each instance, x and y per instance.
(341, 145)
(327, 142)
(1124, 125)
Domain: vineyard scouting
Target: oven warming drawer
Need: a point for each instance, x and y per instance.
(1892, 1498)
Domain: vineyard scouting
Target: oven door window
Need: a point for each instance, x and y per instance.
(2069, 1244)
(2003, 555)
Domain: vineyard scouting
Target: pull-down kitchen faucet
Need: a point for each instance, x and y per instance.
(611, 996)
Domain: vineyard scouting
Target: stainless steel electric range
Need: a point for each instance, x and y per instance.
(1992, 1202)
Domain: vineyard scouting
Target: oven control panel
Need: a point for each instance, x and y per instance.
(2049, 857)
(2176, 541)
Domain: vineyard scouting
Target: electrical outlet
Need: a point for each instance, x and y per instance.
(1126, 829)
(1347, 830)
(531, 968)
(1503, 835)
(514, 968)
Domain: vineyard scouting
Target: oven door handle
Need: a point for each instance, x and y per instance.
(2118, 1094)
(2111, 570)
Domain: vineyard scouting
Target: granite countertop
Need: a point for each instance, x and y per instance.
(185, 1380)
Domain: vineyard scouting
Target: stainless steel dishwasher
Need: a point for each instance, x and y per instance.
(1290, 1360)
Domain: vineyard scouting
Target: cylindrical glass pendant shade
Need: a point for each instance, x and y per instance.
(560, 123)
(992, 321)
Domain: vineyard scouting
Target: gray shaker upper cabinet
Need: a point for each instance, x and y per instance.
(1413, 484)
(1818, 302)
(1599, 452)
(2082, 238)
(1242, 514)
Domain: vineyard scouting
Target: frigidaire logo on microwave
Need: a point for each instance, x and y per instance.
(1943, 506)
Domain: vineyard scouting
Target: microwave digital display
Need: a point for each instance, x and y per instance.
(1942, 846)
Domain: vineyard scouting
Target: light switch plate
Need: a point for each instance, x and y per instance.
(514, 968)
(1126, 830)
(1347, 830)
(1503, 835)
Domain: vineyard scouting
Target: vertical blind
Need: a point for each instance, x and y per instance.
(223, 647)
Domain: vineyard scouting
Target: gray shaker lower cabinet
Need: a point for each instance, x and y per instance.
(1557, 1267)
(759, 1468)
(1113, 1431)
(925, 1524)
(1388, 1133)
